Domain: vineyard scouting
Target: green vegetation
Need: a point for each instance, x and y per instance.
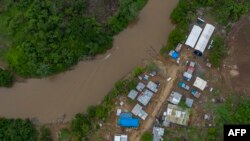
(146, 136)
(137, 71)
(218, 51)
(64, 135)
(129, 9)
(183, 104)
(152, 67)
(45, 134)
(17, 130)
(230, 10)
(225, 11)
(6, 78)
(50, 36)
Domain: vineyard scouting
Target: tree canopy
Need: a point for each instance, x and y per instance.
(50, 36)
(17, 130)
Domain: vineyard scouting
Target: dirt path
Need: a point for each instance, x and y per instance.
(161, 99)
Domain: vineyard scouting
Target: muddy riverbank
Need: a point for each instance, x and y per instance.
(88, 82)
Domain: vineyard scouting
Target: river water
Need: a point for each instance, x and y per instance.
(88, 82)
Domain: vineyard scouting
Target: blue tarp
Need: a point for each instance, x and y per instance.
(174, 54)
(125, 115)
(128, 122)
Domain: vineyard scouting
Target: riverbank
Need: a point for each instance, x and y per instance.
(87, 84)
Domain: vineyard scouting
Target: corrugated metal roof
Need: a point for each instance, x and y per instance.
(152, 86)
(132, 94)
(140, 86)
(175, 97)
(145, 97)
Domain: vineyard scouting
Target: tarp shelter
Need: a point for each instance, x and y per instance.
(193, 36)
(174, 54)
(187, 76)
(152, 86)
(121, 138)
(145, 97)
(132, 94)
(126, 120)
(204, 38)
(138, 111)
(200, 83)
(140, 86)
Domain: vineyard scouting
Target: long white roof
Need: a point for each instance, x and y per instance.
(204, 38)
(193, 36)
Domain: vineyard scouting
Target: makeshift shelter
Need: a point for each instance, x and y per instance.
(176, 114)
(145, 97)
(152, 86)
(175, 97)
(140, 86)
(126, 120)
(193, 36)
(132, 94)
(158, 133)
(200, 83)
(204, 38)
(187, 76)
(138, 111)
(174, 54)
(121, 138)
(189, 102)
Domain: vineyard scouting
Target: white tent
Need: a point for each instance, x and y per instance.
(204, 38)
(193, 36)
(121, 138)
(200, 83)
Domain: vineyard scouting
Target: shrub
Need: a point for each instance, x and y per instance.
(218, 51)
(64, 135)
(45, 134)
(137, 71)
(147, 136)
(6, 78)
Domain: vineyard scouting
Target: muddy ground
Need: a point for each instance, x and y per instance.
(239, 57)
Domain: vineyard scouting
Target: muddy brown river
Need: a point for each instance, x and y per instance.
(88, 82)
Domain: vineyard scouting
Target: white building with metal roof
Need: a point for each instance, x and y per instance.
(204, 38)
(121, 138)
(193, 36)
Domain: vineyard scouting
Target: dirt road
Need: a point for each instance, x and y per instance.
(161, 99)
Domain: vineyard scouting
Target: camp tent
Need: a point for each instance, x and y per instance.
(193, 36)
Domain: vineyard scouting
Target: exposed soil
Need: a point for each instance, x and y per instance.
(239, 57)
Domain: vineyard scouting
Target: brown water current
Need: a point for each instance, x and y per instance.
(89, 81)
